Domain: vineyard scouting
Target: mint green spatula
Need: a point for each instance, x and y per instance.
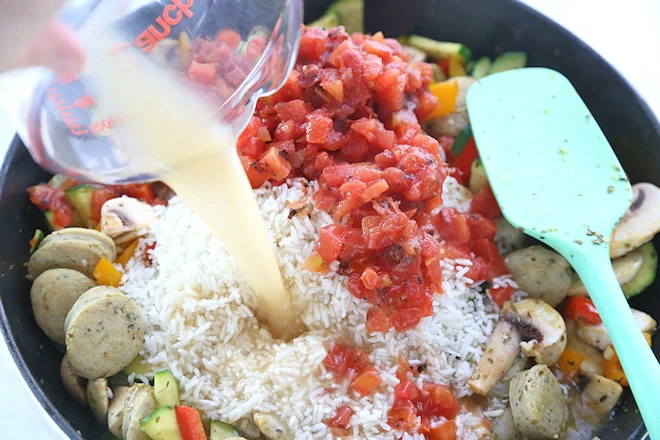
(555, 176)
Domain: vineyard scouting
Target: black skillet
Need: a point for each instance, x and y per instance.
(488, 27)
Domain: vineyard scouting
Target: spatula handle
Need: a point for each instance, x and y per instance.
(638, 361)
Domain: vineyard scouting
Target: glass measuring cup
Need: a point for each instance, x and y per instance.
(243, 49)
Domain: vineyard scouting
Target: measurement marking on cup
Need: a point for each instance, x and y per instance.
(65, 111)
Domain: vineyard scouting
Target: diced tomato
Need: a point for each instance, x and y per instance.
(405, 319)
(377, 320)
(484, 203)
(342, 417)
(446, 431)
(369, 278)
(255, 47)
(147, 253)
(190, 423)
(318, 127)
(99, 197)
(142, 192)
(341, 360)
(366, 381)
(204, 73)
(406, 390)
(331, 242)
(501, 294)
(278, 165)
(312, 43)
(443, 401)
(582, 309)
(402, 415)
(230, 37)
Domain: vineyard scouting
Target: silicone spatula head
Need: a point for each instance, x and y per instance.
(556, 177)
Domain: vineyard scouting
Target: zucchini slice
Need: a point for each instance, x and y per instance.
(481, 68)
(646, 274)
(508, 61)
(36, 240)
(50, 221)
(161, 424)
(440, 49)
(80, 199)
(166, 389)
(57, 180)
(221, 431)
(137, 366)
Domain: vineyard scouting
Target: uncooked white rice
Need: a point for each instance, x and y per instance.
(200, 325)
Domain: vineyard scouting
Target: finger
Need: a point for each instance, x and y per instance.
(56, 47)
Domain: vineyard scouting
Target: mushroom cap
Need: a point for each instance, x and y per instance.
(640, 223)
(125, 218)
(546, 330)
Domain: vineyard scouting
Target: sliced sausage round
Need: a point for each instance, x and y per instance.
(538, 403)
(78, 254)
(104, 332)
(83, 234)
(53, 294)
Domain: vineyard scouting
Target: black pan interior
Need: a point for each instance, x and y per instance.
(488, 27)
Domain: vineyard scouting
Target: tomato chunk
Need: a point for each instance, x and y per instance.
(342, 417)
(366, 381)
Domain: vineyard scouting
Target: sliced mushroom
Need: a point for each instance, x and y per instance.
(543, 330)
(596, 334)
(138, 404)
(640, 223)
(73, 383)
(601, 396)
(625, 269)
(538, 404)
(125, 219)
(594, 361)
(116, 410)
(504, 428)
(270, 427)
(501, 389)
(98, 398)
(542, 273)
(501, 351)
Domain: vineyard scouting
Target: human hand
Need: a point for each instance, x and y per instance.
(30, 35)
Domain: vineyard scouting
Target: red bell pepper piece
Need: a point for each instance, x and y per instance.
(190, 423)
(582, 309)
(464, 160)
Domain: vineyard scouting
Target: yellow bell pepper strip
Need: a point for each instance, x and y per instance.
(456, 67)
(106, 274)
(446, 92)
(613, 369)
(128, 253)
(569, 363)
